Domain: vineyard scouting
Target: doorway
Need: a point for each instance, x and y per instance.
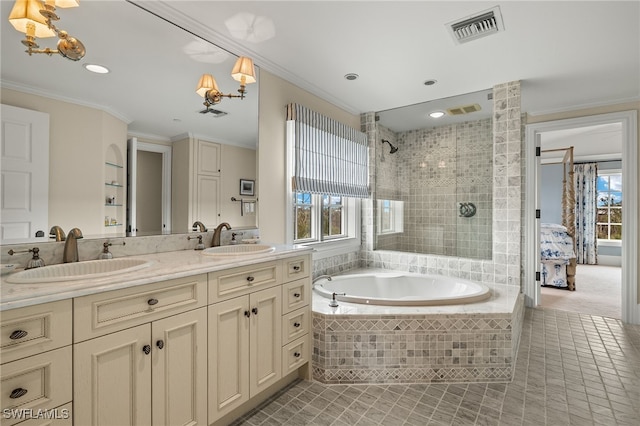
(630, 311)
(148, 188)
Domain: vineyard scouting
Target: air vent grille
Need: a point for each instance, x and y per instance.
(465, 109)
(214, 112)
(476, 26)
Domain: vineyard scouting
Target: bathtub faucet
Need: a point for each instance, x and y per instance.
(319, 277)
(333, 302)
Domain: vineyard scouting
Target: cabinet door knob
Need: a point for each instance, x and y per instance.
(247, 314)
(152, 302)
(255, 311)
(296, 324)
(296, 354)
(17, 393)
(296, 294)
(160, 344)
(250, 278)
(296, 268)
(18, 334)
(146, 349)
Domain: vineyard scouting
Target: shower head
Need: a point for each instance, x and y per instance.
(393, 147)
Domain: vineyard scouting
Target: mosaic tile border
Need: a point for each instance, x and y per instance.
(431, 348)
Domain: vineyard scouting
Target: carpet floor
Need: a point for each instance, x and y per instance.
(598, 292)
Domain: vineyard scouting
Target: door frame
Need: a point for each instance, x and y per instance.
(628, 120)
(165, 150)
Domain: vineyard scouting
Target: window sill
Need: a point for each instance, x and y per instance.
(326, 249)
(609, 243)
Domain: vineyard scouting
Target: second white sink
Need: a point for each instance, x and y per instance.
(238, 250)
(77, 271)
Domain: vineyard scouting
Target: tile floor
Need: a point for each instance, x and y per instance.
(572, 369)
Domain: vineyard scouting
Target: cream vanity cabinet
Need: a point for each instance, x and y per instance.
(246, 324)
(35, 349)
(140, 353)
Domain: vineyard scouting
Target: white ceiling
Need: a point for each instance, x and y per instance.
(568, 55)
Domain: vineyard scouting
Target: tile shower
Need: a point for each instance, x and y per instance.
(434, 171)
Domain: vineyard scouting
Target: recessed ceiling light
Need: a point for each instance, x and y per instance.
(96, 68)
(351, 76)
(430, 82)
(436, 114)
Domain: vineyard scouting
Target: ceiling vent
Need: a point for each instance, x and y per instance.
(466, 109)
(214, 112)
(476, 26)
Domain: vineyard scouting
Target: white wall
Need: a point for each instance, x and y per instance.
(275, 94)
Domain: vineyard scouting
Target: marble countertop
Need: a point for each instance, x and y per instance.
(163, 266)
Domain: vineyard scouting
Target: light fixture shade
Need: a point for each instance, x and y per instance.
(206, 83)
(244, 68)
(67, 3)
(26, 11)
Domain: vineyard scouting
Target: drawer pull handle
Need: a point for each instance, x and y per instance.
(18, 334)
(17, 393)
(146, 349)
(160, 344)
(296, 354)
(250, 278)
(255, 311)
(152, 302)
(247, 314)
(296, 324)
(296, 294)
(296, 268)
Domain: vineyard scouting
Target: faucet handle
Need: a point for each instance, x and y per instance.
(34, 262)
(200, 245)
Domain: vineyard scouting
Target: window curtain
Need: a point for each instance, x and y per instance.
(329, 157)
(586, 213)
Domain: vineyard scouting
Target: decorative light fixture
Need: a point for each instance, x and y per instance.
(35, 19)
(243, 71)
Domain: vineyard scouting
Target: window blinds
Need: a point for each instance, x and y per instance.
(329, 157)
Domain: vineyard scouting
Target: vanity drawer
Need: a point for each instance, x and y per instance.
(236, 282)
(41, 381)
(103, 313)
(296, 268)
(295, 295)
(295, 325)
(34, 329)
(295, 355)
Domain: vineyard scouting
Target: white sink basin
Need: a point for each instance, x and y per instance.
(238, 250)
(77, 271)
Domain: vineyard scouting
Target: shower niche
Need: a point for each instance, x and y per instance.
(434, 178)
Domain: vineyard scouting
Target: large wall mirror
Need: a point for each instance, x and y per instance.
(148, 96)
(434, 177)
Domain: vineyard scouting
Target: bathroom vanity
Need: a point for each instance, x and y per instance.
(190, 339)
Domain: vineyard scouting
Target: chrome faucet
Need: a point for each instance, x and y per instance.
(57, 233)
(319, 277)
(197, 225)
(215, 242)
(70, 253)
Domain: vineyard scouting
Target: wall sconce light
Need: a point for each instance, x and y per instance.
(243, 71)
(35, 19)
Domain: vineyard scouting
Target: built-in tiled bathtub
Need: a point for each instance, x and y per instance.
(475, 342)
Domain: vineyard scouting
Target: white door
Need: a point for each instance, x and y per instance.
(24, 174)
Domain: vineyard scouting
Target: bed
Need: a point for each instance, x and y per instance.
(557, 243)
(558, 256)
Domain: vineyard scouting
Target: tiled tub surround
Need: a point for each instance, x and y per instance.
(382, 344)
(504, 267)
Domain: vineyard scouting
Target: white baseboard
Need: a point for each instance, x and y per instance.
(609, 260)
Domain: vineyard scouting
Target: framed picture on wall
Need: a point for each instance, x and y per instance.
(246, 186)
